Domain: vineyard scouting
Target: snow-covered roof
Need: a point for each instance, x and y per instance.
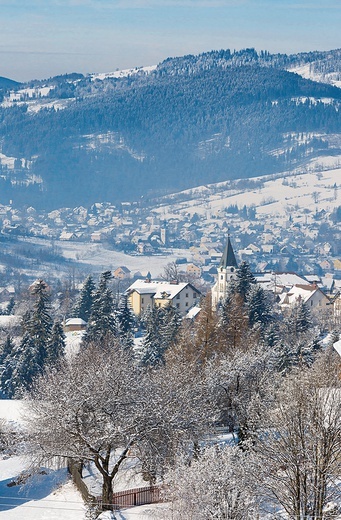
(271, 280)
(160, 290)
(193, 312)
(337, 346)
(302, 292)
(75, 321)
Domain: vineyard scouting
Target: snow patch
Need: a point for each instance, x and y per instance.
(123, 73)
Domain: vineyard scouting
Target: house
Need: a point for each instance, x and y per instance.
(337, 264)
(193, 269)
(122, 273)
(73, 324)
(311, 295)
(144, 293)
(66, 235)
(336, 301)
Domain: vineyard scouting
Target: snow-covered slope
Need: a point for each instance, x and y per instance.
(307, 71)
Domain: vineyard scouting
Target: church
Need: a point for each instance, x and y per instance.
(226, 271)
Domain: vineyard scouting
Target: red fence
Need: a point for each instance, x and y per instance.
(129, 498)
(136, 497)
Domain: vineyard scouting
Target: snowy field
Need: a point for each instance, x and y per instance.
(313, 188)
(95, 257)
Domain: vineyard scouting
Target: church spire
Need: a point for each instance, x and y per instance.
(228, 259)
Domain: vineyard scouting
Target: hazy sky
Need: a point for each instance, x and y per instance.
(42, 38)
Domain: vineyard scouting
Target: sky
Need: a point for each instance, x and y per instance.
(43, 38)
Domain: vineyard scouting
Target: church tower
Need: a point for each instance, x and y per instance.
(226, 271)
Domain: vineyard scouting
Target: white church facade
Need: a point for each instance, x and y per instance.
(226, 271)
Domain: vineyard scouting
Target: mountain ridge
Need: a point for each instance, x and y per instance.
(189, 121)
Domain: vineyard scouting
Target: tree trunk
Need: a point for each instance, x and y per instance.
(107, 493)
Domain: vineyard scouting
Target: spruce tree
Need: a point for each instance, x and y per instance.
(125, 322)
(258, 307)
(7, 364)
(299, 319)
(83, 306)
(170, 325)
(102, 322)
(27, 366)
(56, 343)
(153, 347)
(244, 280)
(40, 323)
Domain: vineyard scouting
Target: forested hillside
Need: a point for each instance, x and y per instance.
(191, 121)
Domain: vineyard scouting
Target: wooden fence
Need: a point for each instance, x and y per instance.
(129, 498)
(136, 497)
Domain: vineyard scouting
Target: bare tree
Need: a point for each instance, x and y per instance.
(300, 454)
(100, 405)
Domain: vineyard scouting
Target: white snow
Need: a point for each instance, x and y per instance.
(278, 195)
(122, 73)
(306, 71)
(9, 321)
(46, 496)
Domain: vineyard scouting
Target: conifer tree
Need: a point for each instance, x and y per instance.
(56, 343)
(27, 366)
(83, 306)
(7, 364)
(257, 305)
(102, 322)
(125, 322)
(153, 347)
(171, 322)
(299, 319)
(10, 307)
(40, 323)
(244, 280)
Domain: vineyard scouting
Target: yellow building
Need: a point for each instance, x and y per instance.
(144, 293)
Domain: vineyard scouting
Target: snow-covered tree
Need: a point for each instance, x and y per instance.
(7, 365)
(258, 306)
(83, 306)
(153, 347)
(217, 485)
(300, 450)
(244, 280)
(242, 385)
(26, 365)
(102, 322)
(40, 321)
(299, 319)
(99, 405)
(56, 344)
(125, 322)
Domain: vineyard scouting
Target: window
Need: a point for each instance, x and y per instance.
(186, 304)
(178, 305)
(221, 277)
(186, 294)
(142, 300)
(194, 295)
(178, 296)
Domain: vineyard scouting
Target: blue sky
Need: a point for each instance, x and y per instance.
(42, 38)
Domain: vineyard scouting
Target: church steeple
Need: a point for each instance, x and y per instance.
(226, 272)
(228, 259)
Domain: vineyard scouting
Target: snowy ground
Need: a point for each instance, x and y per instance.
(50, 495)
(46, 496)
